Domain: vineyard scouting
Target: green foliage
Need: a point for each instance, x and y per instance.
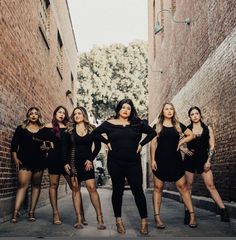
(108, 74)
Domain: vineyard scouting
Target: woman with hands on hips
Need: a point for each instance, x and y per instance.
(124, 134)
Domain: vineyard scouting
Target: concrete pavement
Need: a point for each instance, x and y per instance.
(172, 215)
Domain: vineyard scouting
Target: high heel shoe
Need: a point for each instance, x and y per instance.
(31, 216)
(83, 220)
(158, 224)
(120, 227)
(192, 225)
(101, 225)
(56, 218)
(224, 215)
(15, 215)
(78, 223)
(144, 227)
(186, 217)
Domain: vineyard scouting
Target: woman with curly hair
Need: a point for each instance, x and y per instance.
(29, 160)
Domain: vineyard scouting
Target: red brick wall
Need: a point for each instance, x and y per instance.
(198, 63)
(29, 76)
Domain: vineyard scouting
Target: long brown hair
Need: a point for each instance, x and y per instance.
(55, 124)
(174, 120)
(71, 124)
(27, 120)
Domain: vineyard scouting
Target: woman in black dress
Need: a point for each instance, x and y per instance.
(53, 132)
(203, 149)
(29, 160)
(78, 141)
(124, 135)
(166, 160)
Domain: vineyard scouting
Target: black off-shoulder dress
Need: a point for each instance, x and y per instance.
(28, 150)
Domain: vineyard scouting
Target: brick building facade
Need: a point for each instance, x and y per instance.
(195, 65)
(38, 67)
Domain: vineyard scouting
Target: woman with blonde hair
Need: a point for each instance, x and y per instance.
(29, 160)
(78, 155)
(166, 160)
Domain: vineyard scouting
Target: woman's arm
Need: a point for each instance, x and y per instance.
(65, 151)
(101, 130)
(188, 136)
(153, 146)
(14, 147)
(211, 152)
(151, 133)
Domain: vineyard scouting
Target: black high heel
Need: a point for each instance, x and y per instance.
(192, 225)
(158, 225)
(186, 217)
(224, 215)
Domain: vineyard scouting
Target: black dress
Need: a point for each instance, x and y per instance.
(170, 165)
(28, 150)
(200, 147)
(77, 150)
(55, 161)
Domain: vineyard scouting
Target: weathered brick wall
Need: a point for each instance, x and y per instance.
(28, 77)
(198, 63)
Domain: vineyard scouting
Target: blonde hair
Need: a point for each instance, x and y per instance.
(27, 120)
(71, 124)
(174, 120)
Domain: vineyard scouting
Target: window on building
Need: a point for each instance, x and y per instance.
(72, 82)
(59, 55)
(44, 20)
(154, 23)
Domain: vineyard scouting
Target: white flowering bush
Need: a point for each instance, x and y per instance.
(108, 74)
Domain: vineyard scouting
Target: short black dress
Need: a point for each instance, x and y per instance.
(199, 146)
(28, 150)
(55, 161)
(170, 165)
(77, 150)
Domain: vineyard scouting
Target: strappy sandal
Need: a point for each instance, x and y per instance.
(192, 225)
(120, 227)
(15, 215)
(144, 227)
(56, 218)
(31, 216)
(101, 225)
(78, 223)
(158, 225)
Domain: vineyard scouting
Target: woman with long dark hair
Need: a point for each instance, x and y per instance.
(203, 149)
(166, 160)
(53, 132)
(29, 161)
(78, 155)
(124, 134)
